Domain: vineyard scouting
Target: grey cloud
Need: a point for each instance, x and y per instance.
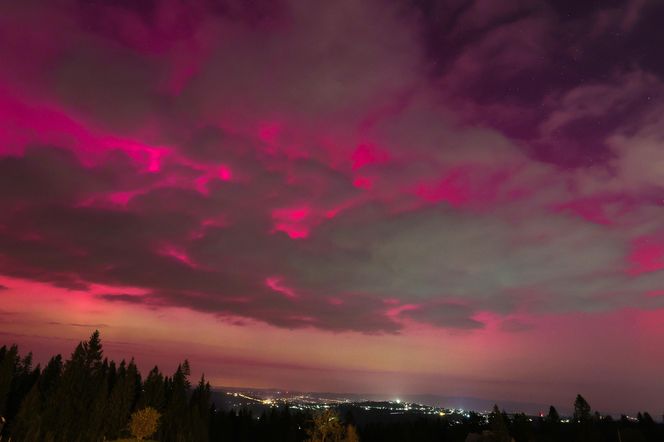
(122, 297)
(445, 314)
(332, 75)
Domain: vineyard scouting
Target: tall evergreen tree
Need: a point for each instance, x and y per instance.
(583, 419)
(17, 378)
(122, 399)
(81, 379)
(99, 409)
(581, 409)
(8, 364)
(153, 392)
(199, 406)
(175, 425)
(28, 426)
(498, 425)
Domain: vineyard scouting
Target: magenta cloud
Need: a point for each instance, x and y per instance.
(345, 165)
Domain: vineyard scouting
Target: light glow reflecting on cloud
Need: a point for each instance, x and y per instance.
(362, 176)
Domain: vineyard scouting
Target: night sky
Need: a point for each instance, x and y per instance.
(457, 197)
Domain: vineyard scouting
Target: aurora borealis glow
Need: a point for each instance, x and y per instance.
(458, 197)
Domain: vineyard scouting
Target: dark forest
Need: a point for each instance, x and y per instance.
(89, 398)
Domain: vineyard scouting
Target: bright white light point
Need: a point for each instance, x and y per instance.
(398, 401)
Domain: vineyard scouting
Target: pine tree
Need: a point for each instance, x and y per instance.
(28, 420)
(199, 409)
(99, 409)
(581, 409)
(122, 399)
(80, 382)
(153, 391)
(23, 379)
(8, 364)
(175, 427)
(28, 426)
(498, 425)
(582, 419)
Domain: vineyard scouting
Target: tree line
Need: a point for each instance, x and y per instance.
(88, 398)
(584, 425)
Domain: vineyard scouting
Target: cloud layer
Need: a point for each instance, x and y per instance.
(344, 166)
